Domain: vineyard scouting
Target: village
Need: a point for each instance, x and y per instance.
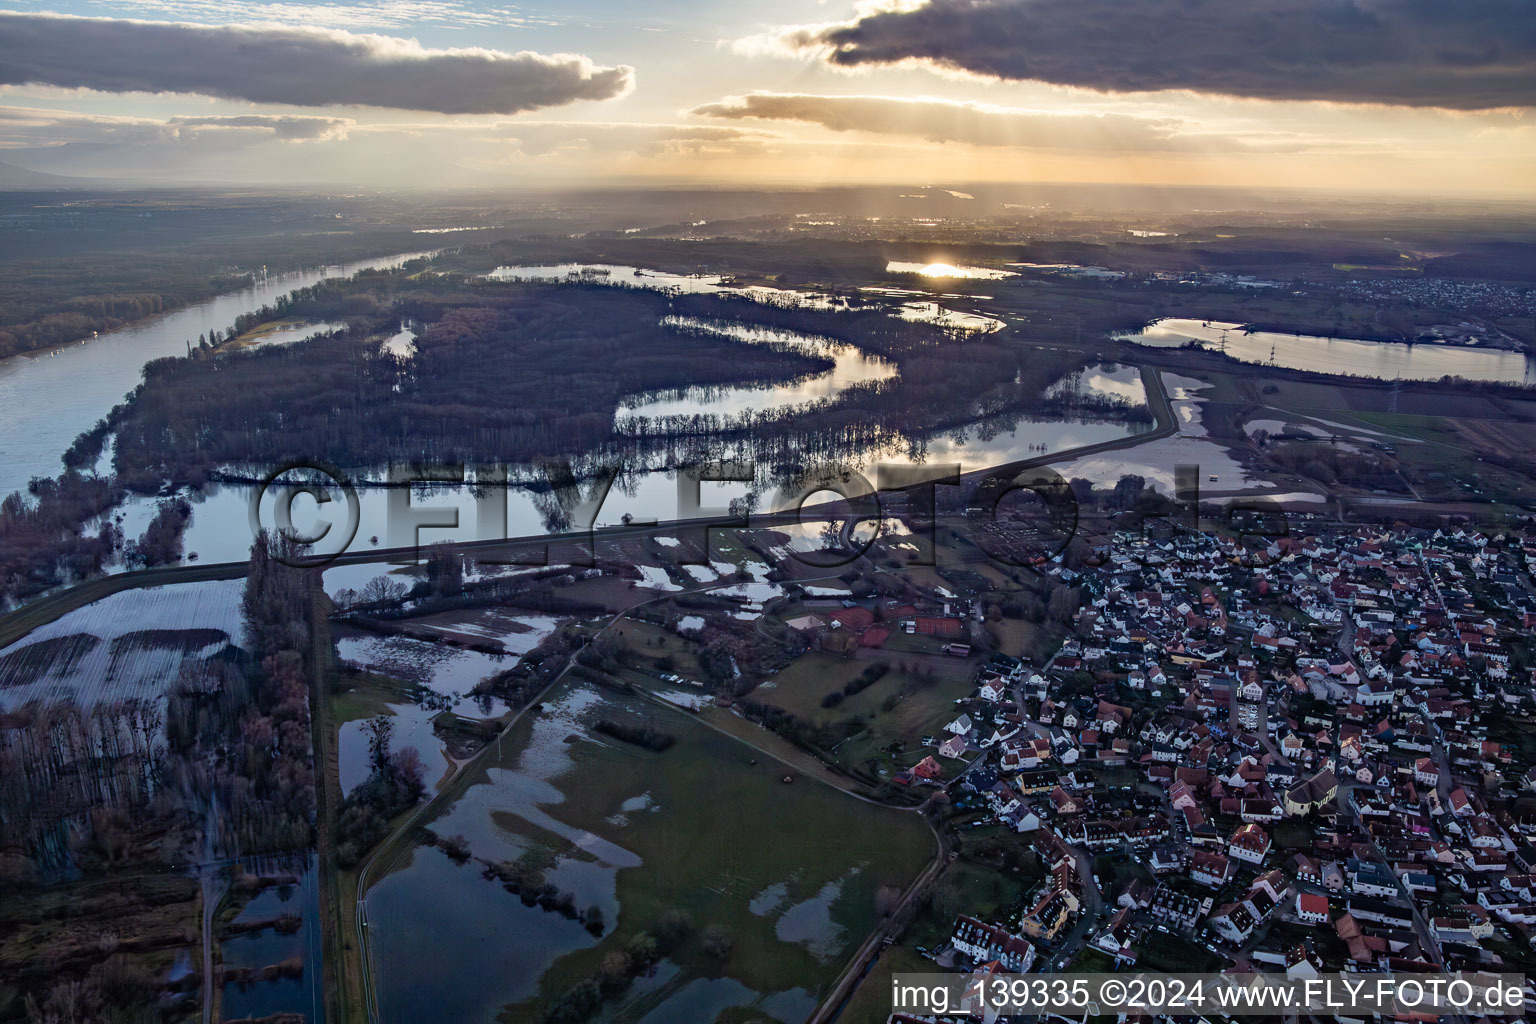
(1311, 757)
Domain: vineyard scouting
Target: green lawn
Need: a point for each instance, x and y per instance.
(923, 705)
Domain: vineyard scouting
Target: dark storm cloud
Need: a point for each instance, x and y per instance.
(297, 66)
(1460, 54)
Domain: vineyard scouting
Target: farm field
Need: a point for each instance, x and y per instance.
(925, 691)
(930, 684)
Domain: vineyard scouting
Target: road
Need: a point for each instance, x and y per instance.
(853, 975)
(395, 844)
(1347, 784)
(1437, 735)
(1088, 916)
(1426, 936)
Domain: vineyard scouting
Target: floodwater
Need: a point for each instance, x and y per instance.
(1157, 461)
(412, 727)
(291, 334)
(947, 271)
(715, 284)
(1383, 360)
(220, 528)
(256, 950)
(500, 949)
(949, 319)
(851, 367)
(434, 912)
(49, 398)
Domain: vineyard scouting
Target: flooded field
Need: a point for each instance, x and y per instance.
(127, 645)
(618, 828)
(1155, 460)
(278, 928)
(445, 676)
(1384, 360)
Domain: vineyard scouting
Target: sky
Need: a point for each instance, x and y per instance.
(1380, 96)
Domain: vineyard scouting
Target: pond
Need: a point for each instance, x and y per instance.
(1382, 360)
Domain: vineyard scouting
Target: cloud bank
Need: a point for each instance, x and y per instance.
(24, 126)
(976, 124)
(295, 66)
(1458, 54)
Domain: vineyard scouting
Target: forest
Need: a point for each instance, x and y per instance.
(534, 373)
(514, 372)
(143, 255)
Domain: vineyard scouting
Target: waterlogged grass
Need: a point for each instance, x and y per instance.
(789, 871)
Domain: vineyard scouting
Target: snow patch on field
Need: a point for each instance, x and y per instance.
(655, 578)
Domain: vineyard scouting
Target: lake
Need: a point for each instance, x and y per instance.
(1383, 360)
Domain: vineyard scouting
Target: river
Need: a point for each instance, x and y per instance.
(49, 398)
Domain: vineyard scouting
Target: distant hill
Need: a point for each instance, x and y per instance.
(12, 176)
